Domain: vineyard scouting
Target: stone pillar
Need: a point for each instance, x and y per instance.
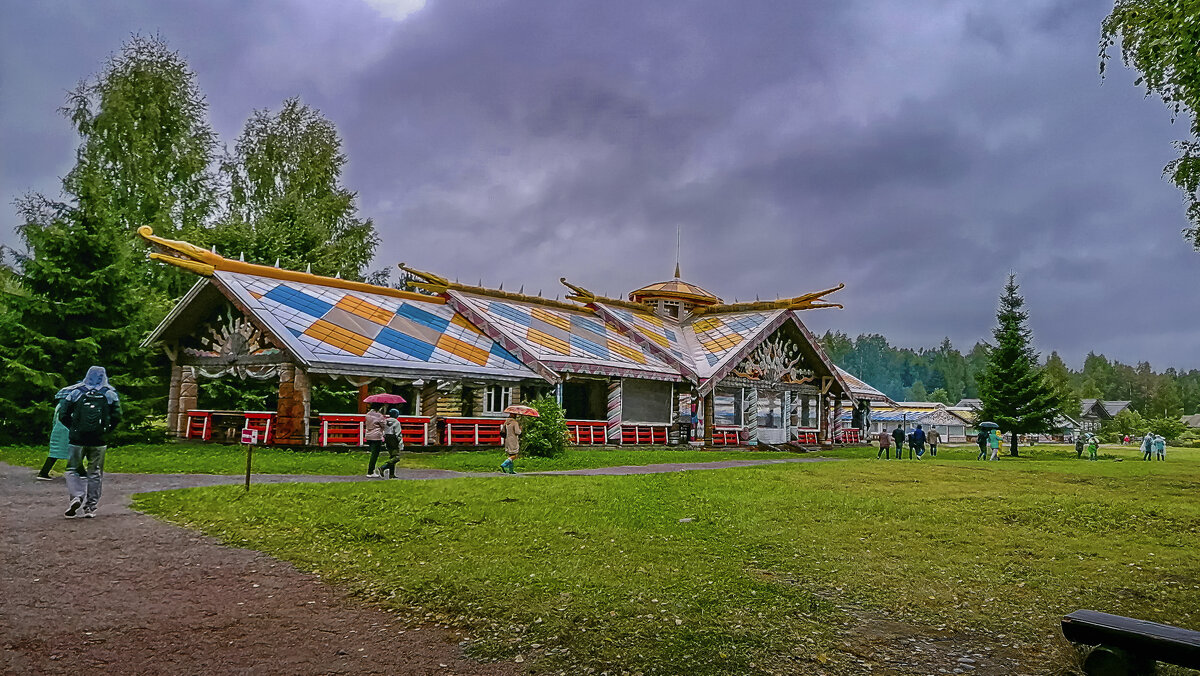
(188, 393)
(174, 428)
(750, 415)
(291, 415)
(614, 412)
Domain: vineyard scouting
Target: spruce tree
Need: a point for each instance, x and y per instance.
(74, 305)
(1014, 393)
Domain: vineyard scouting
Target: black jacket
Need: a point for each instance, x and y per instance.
(67, 414)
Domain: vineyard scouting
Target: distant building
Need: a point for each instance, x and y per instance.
(1192, 421)
(1093, 412)
(954, 425)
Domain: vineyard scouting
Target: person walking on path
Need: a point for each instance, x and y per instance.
(918, 441)
(934, 437)
(1160, 447)
(898, 437)
(1147, 446)
(511, 431)
(59, 437)
(994, 442)
(91, 410)
(393, 441)
(1079, 446)
(376, 426)
(1125, 440)
(1092, 447)
(981, 440)
(885, 445)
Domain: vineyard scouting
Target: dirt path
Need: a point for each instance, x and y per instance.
(130, 595)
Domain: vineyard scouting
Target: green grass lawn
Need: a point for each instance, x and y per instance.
(777, 565)
(196, 458)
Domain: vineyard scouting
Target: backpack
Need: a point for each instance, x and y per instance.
(91, 414)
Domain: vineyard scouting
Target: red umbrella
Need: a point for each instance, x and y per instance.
(384, 399)
(522, 410)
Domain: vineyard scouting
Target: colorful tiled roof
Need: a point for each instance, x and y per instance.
(702, 345)
(577, 341)
(324, 324)
(717, 337)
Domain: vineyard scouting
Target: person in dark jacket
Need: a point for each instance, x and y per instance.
(982, 440)
(898, 437)
(91, 410)
(918, 442)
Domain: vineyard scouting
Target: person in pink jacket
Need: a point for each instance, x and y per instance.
(376, 426)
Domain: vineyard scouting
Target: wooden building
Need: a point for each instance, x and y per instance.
(625, 370)
(1093, 412)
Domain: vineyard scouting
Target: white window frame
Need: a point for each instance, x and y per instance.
(496, 398)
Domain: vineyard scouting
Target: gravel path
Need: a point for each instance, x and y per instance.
(128, 594)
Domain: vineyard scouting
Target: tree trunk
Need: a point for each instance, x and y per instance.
(1013, 449)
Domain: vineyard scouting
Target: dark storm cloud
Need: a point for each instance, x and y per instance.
(918, 154)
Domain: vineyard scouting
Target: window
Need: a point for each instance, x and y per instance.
(647, 401)
(496, 398)
(770, 410)
(727, 407)
(671, 308)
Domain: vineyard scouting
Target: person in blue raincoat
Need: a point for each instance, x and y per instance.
(58, 438)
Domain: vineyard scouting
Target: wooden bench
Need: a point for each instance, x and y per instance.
(1129, 646)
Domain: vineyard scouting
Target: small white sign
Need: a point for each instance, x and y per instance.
(249, 436)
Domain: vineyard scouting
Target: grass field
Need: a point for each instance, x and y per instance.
(195, 458)
(777, 569)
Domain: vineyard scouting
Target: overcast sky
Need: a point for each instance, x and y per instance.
(917, 151)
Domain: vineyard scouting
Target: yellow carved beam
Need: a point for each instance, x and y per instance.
(582, 295)
(191, 257)
(809, 301)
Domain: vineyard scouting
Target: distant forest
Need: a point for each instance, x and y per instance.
(944, 374)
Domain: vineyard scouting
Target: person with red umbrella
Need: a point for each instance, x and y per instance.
(376, 427)
(511, 433)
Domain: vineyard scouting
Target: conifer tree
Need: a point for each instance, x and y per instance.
(73, 309)
(1014, 393)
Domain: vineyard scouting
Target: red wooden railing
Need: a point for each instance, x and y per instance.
(264, 422)
(588, 432)
(199, 425)
(725, 436)
(644, 434)
(848, 435)
(473, 431)
(347, 429)
(414, 429)
(343, 429)
(808, 436)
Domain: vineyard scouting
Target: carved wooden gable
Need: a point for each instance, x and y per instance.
(776, 361)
